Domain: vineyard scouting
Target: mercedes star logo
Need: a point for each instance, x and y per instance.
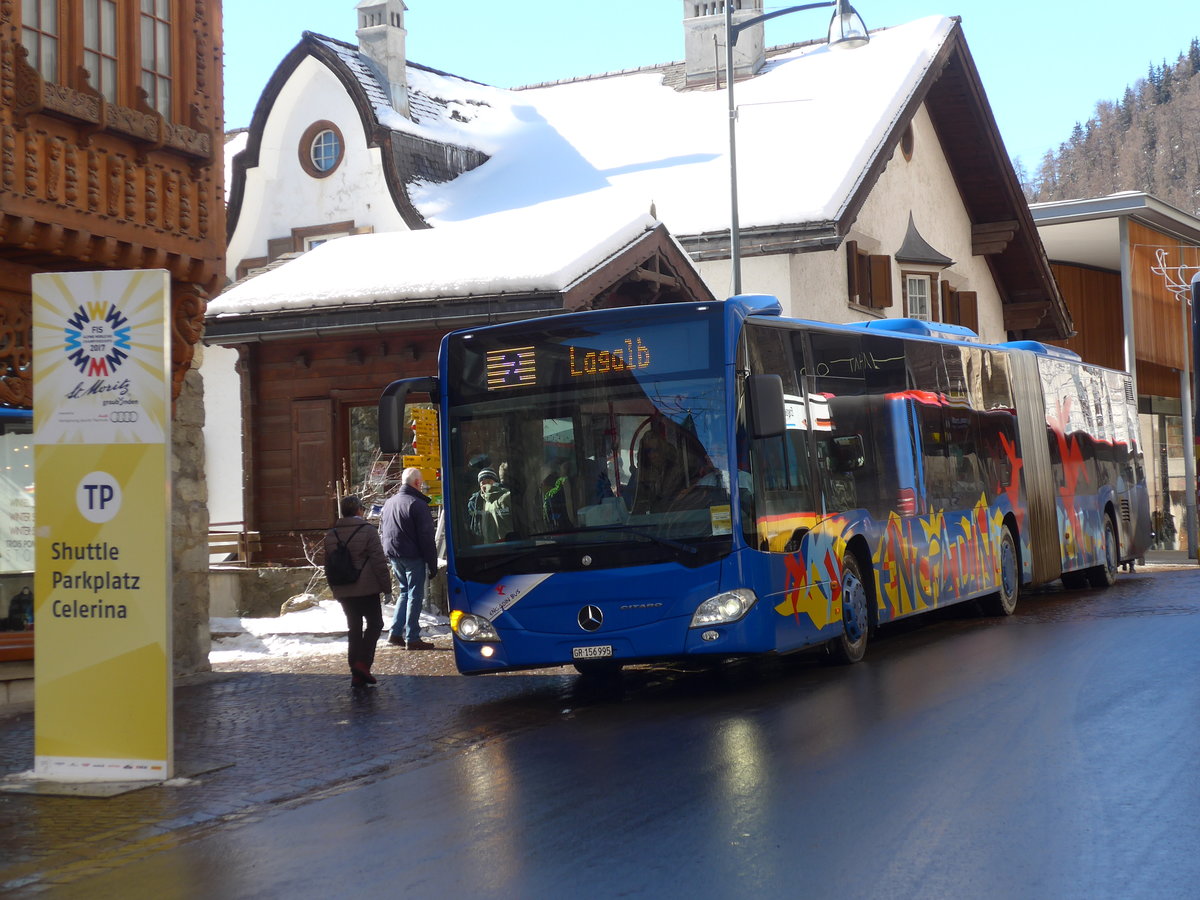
(590, 618)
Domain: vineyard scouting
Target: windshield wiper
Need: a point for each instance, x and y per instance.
(487, 563)
(645, 535)
(560, 539)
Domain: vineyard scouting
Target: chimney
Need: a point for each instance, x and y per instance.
(381, 39)
(704, 40)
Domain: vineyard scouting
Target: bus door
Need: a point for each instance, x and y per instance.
(866, 457)
(779, 500)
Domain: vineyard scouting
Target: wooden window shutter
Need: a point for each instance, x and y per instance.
(949, 304)
(881, 281)
(852, 285)
(968, 309)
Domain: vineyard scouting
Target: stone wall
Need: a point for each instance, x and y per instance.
(259, 592)
(189, 530)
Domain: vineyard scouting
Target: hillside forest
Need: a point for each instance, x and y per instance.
(1149, 140)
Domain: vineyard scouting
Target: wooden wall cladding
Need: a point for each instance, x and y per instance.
(300, 391)
(88, 184)
(1159, 334)
(1094, 298)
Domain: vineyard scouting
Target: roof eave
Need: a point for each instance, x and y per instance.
(382, 317)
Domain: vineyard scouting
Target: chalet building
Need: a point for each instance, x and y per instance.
(1124, 264)
(872, 183)
(315, 339)
(110, 130)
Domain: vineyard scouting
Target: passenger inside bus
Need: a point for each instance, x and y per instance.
(489, 511)
(660, 469)
(558, 507)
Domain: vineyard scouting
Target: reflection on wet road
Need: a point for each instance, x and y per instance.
(1046, 755)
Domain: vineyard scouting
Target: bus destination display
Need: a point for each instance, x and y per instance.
(563, 358)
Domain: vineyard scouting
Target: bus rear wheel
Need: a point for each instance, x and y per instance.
(1004, 601)
(1105, 574)
(851, 645)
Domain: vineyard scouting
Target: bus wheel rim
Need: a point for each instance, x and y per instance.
(854, 604)
(1008, 569)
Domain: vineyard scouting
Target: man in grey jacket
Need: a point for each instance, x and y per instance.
(360, 600)
(408, 542)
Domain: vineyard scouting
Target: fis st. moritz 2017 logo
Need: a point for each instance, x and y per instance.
(97, 339)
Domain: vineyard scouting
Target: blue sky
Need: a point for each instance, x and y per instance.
(1044, 63)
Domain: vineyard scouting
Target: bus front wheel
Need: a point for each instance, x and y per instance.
(1004, 601)
(851, 645)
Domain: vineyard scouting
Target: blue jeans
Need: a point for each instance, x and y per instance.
(410, 573)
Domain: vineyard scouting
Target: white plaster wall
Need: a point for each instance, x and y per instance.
(279, 195)
(925, 186)
(760, 275)
(813, 285)
(222, 433)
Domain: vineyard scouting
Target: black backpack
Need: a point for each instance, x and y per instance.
(339, 564)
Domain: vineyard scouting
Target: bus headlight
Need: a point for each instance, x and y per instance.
(470, 627)
(724, 608)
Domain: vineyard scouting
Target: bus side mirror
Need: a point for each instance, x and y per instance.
(392, 421)
(767, 416)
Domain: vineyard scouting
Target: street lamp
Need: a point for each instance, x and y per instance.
(846, 31)
(1190, 415)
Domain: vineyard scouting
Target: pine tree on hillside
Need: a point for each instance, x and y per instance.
(1148, 141)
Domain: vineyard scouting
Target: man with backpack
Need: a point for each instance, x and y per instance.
(357, 572)
(408, 541)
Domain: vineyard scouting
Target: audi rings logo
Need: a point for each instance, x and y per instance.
(590, 618)
(123, 416)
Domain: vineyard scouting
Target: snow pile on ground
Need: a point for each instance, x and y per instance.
(319, 630)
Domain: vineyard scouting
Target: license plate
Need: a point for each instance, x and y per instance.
(597, 652)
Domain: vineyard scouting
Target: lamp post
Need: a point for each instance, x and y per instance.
(846, 31)
(1191, 323)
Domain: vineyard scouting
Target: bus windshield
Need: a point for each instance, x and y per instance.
(596, 469)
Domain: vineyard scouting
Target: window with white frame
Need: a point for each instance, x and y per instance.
(918, 296)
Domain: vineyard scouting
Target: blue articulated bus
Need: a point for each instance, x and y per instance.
(704, 480)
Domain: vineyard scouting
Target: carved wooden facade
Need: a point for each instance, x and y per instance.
(96, 173)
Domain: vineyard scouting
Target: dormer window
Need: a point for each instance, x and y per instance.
(321, 149)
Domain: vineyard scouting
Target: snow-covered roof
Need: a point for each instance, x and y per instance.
(519, 251)
(808, 125)
(234, 144)
(815, 127)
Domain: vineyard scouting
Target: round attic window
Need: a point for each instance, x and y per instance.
(906, 142)
(321, 149)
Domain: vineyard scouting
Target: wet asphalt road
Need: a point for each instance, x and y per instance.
(1053, 754)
